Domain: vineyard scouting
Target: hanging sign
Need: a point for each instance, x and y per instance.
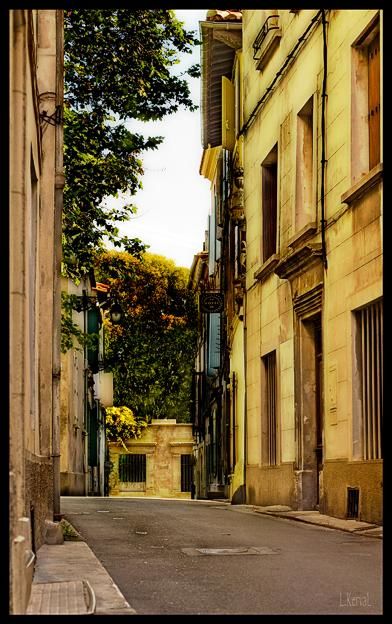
(211, 302)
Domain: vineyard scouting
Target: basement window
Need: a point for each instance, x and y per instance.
(352, 503)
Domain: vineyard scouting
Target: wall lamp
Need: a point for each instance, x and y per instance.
(84, 302)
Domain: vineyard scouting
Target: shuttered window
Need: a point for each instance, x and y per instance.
(374, 101)
(228, 114)
(214, 340)
(211, 242)
(370, 364)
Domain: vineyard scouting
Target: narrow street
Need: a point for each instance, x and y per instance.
(277, 566)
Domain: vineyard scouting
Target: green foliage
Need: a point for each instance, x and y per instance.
(152, 351)
(118, 66)
(121, 424)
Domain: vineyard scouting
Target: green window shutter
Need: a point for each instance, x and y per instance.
(93, 323)
(214, 342)
(211, 242)
(92, 431)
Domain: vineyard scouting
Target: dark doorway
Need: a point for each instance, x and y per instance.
(319, 402)
(311, 417)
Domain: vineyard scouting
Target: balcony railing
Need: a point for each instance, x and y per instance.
(264, 43)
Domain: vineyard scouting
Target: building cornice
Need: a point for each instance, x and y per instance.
(299, 260)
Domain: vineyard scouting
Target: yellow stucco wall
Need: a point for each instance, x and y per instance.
(163, 443)
(353, 233)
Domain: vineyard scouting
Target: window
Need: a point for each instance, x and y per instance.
(365, 94)
(269, 171)
(132, 468)
(239, 251)
(238, 97)
(214, 342)
(304, 166)
(369, 365)
(214, 245)
(374, 100)
(269, 428)
(228, 114)
(186, 473)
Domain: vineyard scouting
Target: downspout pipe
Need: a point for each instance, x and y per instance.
(58, 210)
(323, 159)
(245, 501)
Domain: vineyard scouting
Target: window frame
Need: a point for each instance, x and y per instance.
(361, 162)
(270, 204)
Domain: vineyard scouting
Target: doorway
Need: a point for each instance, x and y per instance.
(311, 421)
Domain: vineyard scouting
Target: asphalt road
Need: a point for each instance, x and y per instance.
(298, 569)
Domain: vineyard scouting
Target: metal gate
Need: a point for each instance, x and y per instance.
(186, 473)
(132, 468)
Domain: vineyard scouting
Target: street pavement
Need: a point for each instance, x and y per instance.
(210, 557)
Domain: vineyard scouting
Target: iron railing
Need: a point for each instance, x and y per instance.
(271, 23)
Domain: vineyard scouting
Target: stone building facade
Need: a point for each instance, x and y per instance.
(159, 463)
(35, 207)
(219, 383)
(307, 103)
(313, 209)
(86, 389)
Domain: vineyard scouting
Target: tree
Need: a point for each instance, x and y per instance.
(118, 66)
(151, 352)
(122, 425)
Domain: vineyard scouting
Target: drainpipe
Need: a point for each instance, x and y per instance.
(245, 399)
(323, 160)
(58, 209)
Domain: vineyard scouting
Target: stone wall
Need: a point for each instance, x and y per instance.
(163, 443)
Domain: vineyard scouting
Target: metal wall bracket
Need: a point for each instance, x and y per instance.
(54, 120)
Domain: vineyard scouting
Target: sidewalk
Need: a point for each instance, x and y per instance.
(70, 580)
(315, 517)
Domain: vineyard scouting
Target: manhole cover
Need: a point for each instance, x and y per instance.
(242, 550)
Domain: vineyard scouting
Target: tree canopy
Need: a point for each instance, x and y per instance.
(121, 424)
(151, 352)
(118, 66)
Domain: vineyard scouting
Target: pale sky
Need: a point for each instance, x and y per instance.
(174, 202)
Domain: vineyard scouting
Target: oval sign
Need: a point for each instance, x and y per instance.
(211, 302)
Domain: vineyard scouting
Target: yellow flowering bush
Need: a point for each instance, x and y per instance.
(122, 424)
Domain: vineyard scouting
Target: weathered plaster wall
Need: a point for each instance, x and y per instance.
(35, 50)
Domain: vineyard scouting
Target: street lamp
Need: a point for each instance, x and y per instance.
(115, 313)
(84, 302)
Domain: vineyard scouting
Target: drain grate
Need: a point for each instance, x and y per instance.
(251, 550)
